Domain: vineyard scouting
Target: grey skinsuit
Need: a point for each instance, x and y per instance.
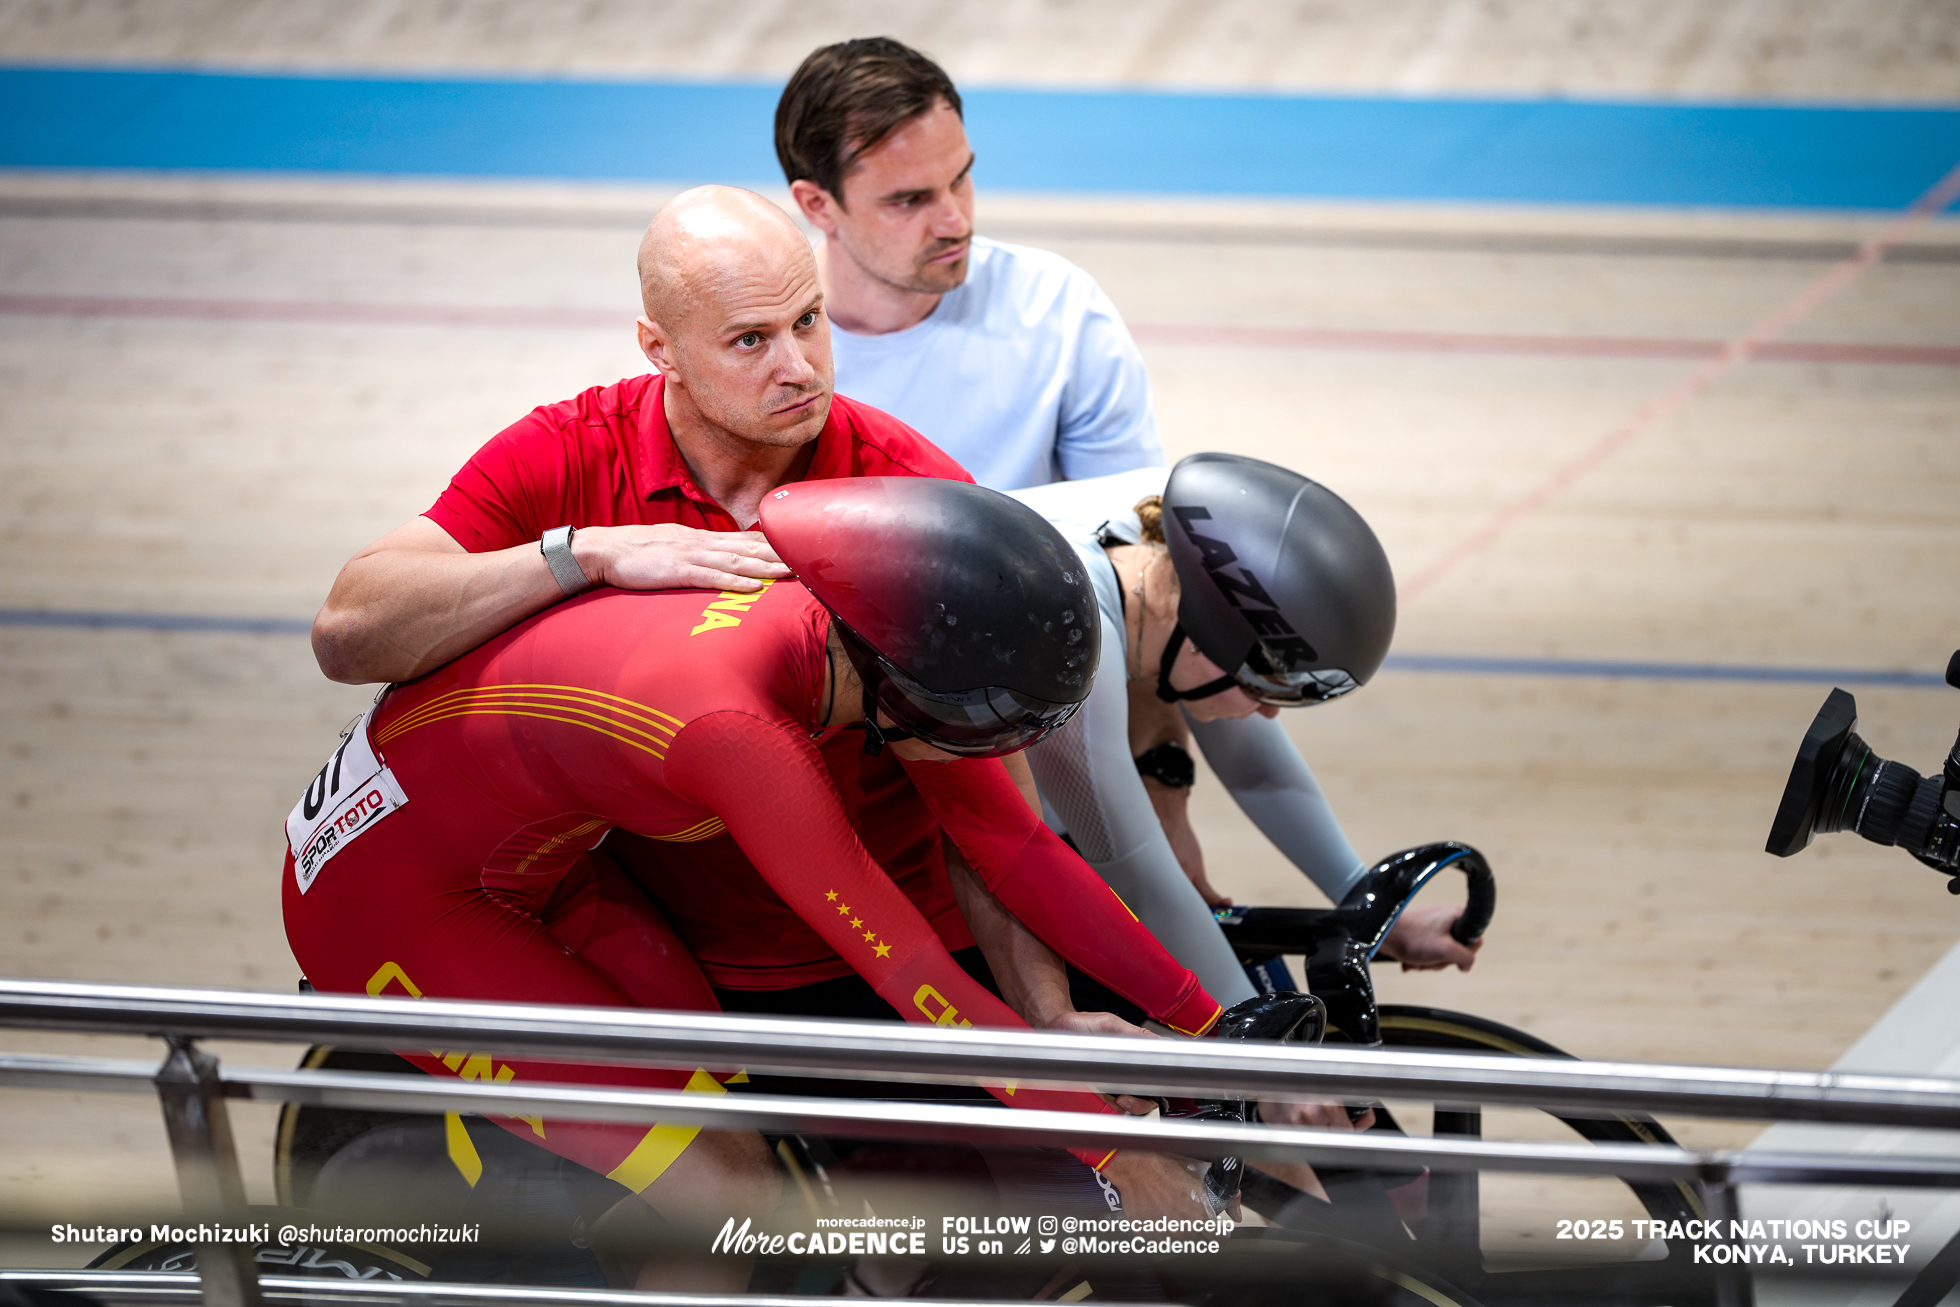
(1089, 784)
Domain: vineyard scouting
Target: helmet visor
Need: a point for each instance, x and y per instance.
(984, 723)
(1263, 678)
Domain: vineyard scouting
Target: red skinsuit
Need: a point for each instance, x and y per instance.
(607, 458)
(675, 715)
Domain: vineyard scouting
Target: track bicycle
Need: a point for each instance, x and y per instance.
(1441, 1211)
(1400, 1238)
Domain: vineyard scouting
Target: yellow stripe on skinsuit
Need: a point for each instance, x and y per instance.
(661, 1146)
(551, 845)
(536, 702)
(702, 830)
(626, 708)
(499, 700)
(571, 722)
(547, 695)
(651, 716)
(656, 732)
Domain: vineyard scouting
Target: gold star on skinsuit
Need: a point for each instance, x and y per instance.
(831, 895)
(884, 950)
(844, 910)
(856, 922)
(870, 935)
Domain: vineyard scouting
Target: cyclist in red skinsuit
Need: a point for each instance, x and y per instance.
(675, 715)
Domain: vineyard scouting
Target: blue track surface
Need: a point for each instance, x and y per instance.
(1462, 664)
(1546, 151)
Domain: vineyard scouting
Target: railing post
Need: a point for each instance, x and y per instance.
(207, 1171)
(1454, 1200)
(1734, 1286)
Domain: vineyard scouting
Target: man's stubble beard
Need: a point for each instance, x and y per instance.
(919, 279)
(927, 280)
(759, 430)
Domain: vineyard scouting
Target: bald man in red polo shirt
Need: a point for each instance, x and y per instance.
(659, 475)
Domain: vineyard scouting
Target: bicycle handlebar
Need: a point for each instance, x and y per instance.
(1339, 943)
(1385, 889)
(1481, 905)
(1372, 906)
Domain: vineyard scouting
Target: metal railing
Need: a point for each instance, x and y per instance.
(117, 1288)
(193, 1091)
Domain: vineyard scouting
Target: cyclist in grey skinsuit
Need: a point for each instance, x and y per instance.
(1089, 782)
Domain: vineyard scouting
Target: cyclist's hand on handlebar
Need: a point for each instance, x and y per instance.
(1108, 1023)
(1158, 1184)
(1212, 898)
(1421, 941)
(1097, 1023)
(1319, 1116)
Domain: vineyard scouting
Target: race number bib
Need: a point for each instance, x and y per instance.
(352, 792)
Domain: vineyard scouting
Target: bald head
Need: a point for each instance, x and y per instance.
(734, 320)
(707, 238)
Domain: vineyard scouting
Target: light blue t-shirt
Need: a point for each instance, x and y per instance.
(1024, 373)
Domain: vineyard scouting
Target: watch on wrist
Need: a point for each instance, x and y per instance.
(1168, 764)
(556, 546)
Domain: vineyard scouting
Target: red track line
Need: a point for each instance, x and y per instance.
(1752, 343)
(1239, 338)
(1612, 347)
(414, 315)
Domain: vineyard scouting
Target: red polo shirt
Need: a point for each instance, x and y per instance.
(607, 458)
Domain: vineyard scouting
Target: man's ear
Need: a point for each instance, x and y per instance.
(818, 205)
(656, 345)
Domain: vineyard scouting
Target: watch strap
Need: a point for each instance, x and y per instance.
(556, 546)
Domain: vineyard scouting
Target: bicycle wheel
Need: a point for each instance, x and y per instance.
(532, 1209)
(1631, 1284)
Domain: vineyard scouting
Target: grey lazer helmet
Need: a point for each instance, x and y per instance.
(1283, 584)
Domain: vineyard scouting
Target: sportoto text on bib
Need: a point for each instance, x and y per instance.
(352, 792)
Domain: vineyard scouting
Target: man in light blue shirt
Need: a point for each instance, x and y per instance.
(1010, 359)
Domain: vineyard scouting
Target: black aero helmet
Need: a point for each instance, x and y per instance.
(1282, 583)
(969, 619)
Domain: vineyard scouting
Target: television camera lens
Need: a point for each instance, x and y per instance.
(1839, 783)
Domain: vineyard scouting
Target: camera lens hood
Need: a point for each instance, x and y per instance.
(1810, 775)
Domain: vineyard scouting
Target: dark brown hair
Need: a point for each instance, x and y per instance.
(845, 98)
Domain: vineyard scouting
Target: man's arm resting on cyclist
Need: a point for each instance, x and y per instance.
(415, 598)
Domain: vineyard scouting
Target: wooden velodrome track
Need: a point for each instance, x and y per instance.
(216, 390)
